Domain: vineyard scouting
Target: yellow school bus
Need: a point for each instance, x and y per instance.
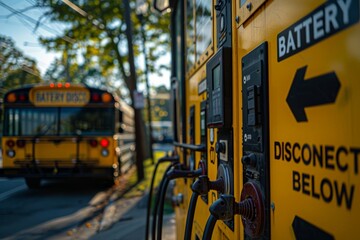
(267, 96)
(62, 130)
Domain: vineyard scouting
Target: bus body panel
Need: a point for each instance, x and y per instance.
(60, 131)
(313, 176)
(313, 132)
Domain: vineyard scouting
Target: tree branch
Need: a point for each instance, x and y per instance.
(116, 49)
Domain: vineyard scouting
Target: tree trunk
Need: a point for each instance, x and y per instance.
(139, 131)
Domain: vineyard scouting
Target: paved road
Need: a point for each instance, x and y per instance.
(162, 147)
(48, 211)
(72, 210)
(9, 188)
(132, 222)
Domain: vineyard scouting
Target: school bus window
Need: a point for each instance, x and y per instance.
(203, 27)
(32, 122)
(190, 35)
(12, 121)
(88, 121)
(44, 121)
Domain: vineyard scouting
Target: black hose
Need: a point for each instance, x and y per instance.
(209, 228)
(173, 174)
(161, 160)
(149, 202)
(190, 216)
(178, 173)
(161, 209)
(156, 206)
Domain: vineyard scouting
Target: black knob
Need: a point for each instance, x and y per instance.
(218, 6)
(249, 160)
(220, 147)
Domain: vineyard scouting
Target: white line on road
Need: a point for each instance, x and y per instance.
(7, 194)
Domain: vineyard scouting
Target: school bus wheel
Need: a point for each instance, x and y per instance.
(32, 182)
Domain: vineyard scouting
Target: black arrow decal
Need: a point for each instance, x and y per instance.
(315, 91)
(304, 230)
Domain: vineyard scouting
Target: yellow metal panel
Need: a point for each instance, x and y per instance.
(48, 150)
(314, 164)
(244, 11)
(237, 118)
(180, 211)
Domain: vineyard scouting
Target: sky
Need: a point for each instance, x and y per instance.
(21, 29)
(22, 32)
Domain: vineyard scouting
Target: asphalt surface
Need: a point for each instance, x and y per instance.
(123, 218)
(131, 224)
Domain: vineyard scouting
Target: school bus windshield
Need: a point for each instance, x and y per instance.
(60, 121)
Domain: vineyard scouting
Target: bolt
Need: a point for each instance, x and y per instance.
(237, 19)
(249, 6)
(272, 206)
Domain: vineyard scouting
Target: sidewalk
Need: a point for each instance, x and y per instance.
(131, 224)
(119, 212)
(125, 216)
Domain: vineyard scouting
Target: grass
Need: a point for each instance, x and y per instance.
(140, 187)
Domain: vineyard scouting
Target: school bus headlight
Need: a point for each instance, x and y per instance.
(104, 152)
(10, 153)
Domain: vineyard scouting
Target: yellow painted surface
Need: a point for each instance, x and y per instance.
(325, 196)
(46, 96)
(48, 150)
(314, 164)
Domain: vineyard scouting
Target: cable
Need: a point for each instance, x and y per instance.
(96, 22)
(190, 216)
(200, 187)
(210, 224)
(161, 160)
(75, 8)
(173, 174)
(156, 206)
(221, 209)
(30, 19)
(225, 207)
(161, 209)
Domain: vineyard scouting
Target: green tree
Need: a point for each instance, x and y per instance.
(97, 38)
(161, 104)
(161, 89)
(16, 69)
(94, 41)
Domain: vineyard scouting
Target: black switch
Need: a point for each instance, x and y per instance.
(251, 105)
(249, 160)
(220, 147)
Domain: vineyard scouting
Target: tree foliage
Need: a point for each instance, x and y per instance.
(16, 68)
(94, 43)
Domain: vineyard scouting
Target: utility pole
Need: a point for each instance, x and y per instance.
(138, 120)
